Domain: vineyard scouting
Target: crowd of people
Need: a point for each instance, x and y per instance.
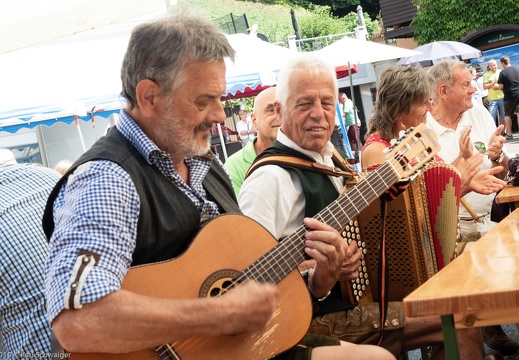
(140, 194)
(501, 87)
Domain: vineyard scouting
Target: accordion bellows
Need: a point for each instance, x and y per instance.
(443, 187)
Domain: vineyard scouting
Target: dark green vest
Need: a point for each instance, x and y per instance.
(319, 192)
(318, 188)
(168, 219)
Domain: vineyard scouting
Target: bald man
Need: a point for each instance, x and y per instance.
(265, 121)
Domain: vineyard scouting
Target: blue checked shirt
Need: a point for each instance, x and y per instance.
(24, 190)
(97, 210)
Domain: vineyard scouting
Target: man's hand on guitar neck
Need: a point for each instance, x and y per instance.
(328, 248)
(250, 306)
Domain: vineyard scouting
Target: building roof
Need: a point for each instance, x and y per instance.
(397, 14)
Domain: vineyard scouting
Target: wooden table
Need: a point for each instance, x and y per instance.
(509, 194)
(479, 288)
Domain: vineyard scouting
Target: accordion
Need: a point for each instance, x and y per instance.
(420, 234)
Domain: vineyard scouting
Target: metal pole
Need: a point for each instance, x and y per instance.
(357, 135)
(222, 141)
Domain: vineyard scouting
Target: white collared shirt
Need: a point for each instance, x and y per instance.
(274, 196)
(482, 127)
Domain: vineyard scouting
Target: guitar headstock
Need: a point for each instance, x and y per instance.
(412, 150)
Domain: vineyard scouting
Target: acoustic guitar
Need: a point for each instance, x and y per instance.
(221, 255)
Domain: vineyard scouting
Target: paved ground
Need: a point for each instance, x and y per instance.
(511, 330)
(512, 147)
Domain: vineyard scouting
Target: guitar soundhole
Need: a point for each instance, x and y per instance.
(218, 283)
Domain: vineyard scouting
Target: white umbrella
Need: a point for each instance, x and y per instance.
(355, 51)
(437, 51)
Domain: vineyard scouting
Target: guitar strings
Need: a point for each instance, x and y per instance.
(289, 246)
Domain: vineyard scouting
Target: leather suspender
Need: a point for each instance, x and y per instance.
(343, 167)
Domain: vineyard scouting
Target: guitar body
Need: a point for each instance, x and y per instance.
(225, 245)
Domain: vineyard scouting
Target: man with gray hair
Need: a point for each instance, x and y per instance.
(138, 197)
(452, 112)
(282, 197)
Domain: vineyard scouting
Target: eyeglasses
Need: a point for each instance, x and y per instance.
(480, 147)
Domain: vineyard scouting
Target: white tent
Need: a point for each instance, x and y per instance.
(49, 74)
(256, 65)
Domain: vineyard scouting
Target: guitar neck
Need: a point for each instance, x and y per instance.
(288, 254)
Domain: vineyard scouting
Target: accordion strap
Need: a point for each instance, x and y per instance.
(343, 167)
(383, 270)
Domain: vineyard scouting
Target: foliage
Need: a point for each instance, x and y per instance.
(249, 103)
(338, 8)
(320, 22)
(454, 19)
(273, 17)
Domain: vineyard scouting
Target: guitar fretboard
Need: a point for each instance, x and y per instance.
(276, 264)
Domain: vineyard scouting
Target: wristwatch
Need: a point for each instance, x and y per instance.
(499, 158)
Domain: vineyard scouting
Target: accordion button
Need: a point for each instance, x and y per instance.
(386, 323)
(375, 325)
(395, 322)
(360, 293)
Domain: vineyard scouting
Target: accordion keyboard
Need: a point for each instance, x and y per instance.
(358, 290)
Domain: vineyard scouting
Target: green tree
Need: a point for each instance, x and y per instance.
(441, 20)
(338, 8)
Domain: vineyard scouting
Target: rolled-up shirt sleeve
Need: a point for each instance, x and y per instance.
(90, 251)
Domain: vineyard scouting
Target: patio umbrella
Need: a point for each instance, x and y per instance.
(356, 51)
(437, 51)
(295, 25)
